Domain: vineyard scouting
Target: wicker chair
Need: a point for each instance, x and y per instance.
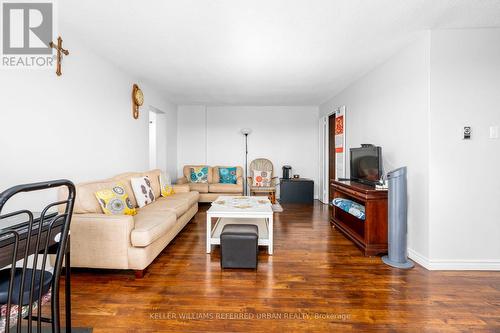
(263, 164)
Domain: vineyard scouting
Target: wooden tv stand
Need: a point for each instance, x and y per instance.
(370, 235)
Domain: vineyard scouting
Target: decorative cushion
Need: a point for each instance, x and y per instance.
(142, 190)
(227, 175)
(166, 185)
(350, 207)
(261, 178)
(115, 201)
(199, 175)
(14, 311)
(154, 177)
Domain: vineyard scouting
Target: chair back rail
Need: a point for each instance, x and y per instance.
(30, 283)
(262, 164)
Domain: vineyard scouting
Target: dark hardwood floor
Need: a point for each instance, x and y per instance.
(317, 280)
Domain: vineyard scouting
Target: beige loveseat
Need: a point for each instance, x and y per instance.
(211, 190)
(124, 241)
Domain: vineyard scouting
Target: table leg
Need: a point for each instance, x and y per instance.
(272, 197)
(67, 290)
(271, 235)
(209, 233)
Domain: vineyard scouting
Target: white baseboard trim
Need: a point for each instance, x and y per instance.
(454, 265)
(418, 258)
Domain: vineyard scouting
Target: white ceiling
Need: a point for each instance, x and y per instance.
(260, 52)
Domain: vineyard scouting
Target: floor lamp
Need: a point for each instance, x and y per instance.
(245, 132)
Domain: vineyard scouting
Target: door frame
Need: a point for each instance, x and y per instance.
(323, 160)
(153, 114)
(324, 144)
(332, 153)
(324, 168)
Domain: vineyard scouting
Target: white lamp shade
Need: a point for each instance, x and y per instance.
(246, 131)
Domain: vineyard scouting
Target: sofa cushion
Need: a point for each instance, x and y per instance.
(150, 225)
(191, 197)
(86, 201)
(124, 179)
(166, 187)
(216, 174)
(154, 177)
(227, 175)
(261, 178)
(199, 175)
(225, 188)
(115, 201)
(199, 187)
(178, 206)
(186, 171)
(142, 190)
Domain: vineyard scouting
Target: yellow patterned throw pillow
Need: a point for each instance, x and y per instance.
(167, 190)
(115, 201)
(166, 185)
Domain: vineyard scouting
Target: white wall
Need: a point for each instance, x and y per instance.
(170, 116)
(191, 135)
(465, 185)
(163, 126)
(388, 107)
(154, 134)
(77, 126)
(284, 134)
(422, 98)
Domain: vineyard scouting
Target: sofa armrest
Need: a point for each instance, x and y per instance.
(182, 180)
(239, 180)
(100, 240)
(181, 188)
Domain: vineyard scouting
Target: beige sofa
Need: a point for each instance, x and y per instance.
(211, 190)
(124, 241)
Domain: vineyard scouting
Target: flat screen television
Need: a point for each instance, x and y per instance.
(366, 164)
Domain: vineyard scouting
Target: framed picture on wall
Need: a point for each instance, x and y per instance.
(340, 143)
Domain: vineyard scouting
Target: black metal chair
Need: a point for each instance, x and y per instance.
(24, 287)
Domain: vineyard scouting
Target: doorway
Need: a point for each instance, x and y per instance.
(332, 155)
(157, 139)
(327, 156)
(331, 152)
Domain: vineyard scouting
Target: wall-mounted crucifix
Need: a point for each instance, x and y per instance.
(60, 52)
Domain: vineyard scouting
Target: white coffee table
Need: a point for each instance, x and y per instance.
(244, 210)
